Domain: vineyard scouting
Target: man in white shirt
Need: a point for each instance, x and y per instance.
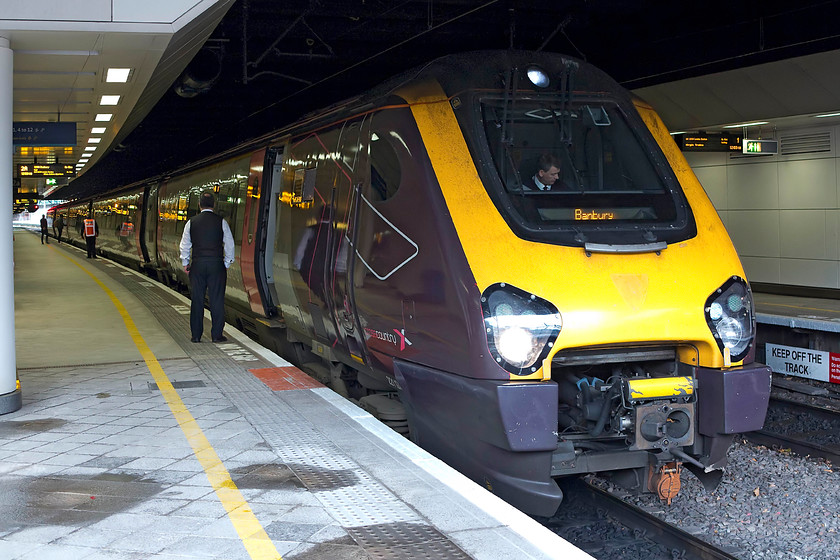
(548, 172)
(207, 251)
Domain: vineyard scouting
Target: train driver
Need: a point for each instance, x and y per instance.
(547, 175)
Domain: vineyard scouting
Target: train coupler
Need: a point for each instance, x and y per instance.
(665, 480)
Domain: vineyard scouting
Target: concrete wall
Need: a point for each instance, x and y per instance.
(782, 211)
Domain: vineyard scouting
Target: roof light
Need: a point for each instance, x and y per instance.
(100, 117)
(90, 148)
(109, 99)
(94, 140)
(97, 130)
(538, 77)
(117, 74)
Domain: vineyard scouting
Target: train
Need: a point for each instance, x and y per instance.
(389, 246)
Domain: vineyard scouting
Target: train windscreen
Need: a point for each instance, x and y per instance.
(579, 166)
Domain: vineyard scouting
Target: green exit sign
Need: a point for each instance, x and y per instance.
(760, 147)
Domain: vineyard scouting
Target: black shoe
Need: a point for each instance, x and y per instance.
(195, 339)
(222, 338)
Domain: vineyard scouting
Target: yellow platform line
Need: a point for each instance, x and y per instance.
(253, 536)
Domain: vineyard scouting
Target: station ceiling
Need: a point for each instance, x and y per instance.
(269, 62)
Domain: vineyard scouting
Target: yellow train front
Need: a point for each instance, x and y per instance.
(608, 323)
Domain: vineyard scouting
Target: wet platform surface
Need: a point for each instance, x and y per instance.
(135, 443)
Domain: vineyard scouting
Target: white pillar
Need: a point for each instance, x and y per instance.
(10, 396)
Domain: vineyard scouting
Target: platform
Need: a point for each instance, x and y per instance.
(797, 312)
(135, 443)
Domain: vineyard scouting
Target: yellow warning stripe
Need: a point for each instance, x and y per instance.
(256, 540)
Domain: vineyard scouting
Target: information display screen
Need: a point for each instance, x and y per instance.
(46, 170)
(708, 142)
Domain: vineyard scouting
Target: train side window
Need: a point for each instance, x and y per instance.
(304, 185)
(385, 169)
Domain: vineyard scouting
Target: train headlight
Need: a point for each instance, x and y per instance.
(521, 327)
(729, 314)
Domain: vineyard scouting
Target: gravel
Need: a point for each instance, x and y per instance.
(769, 505)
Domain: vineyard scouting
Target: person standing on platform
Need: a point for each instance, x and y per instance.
(207, 252)
(58, 226)
(44, 233)
(91, 232)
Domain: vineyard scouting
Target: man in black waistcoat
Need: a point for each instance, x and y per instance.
(206, 253)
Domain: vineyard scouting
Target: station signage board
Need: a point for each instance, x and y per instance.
(708, 142)
(46, 170)
(57, 134)
(803, 362)
(760, 147)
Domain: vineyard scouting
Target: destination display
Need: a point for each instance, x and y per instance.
(597, 214)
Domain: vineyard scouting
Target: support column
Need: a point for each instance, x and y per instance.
(10, 396)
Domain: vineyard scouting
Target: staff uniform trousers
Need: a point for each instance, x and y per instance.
(207, 276)
(90, 242)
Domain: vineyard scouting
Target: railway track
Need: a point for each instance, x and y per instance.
(810, 429)
(606, 527)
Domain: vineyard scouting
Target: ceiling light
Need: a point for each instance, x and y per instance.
(97, 130)
(746, 124)
(90, 148)
(109, 99)
(827, 115)
(94, 140)
(117, 74)
(103, 117)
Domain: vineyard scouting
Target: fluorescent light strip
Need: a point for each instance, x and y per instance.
(746, 124)
(827, 115)
(57, 52)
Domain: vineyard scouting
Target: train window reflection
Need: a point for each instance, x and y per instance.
(385, 171)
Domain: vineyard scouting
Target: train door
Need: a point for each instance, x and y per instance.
(352, 154)
(255, 252)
